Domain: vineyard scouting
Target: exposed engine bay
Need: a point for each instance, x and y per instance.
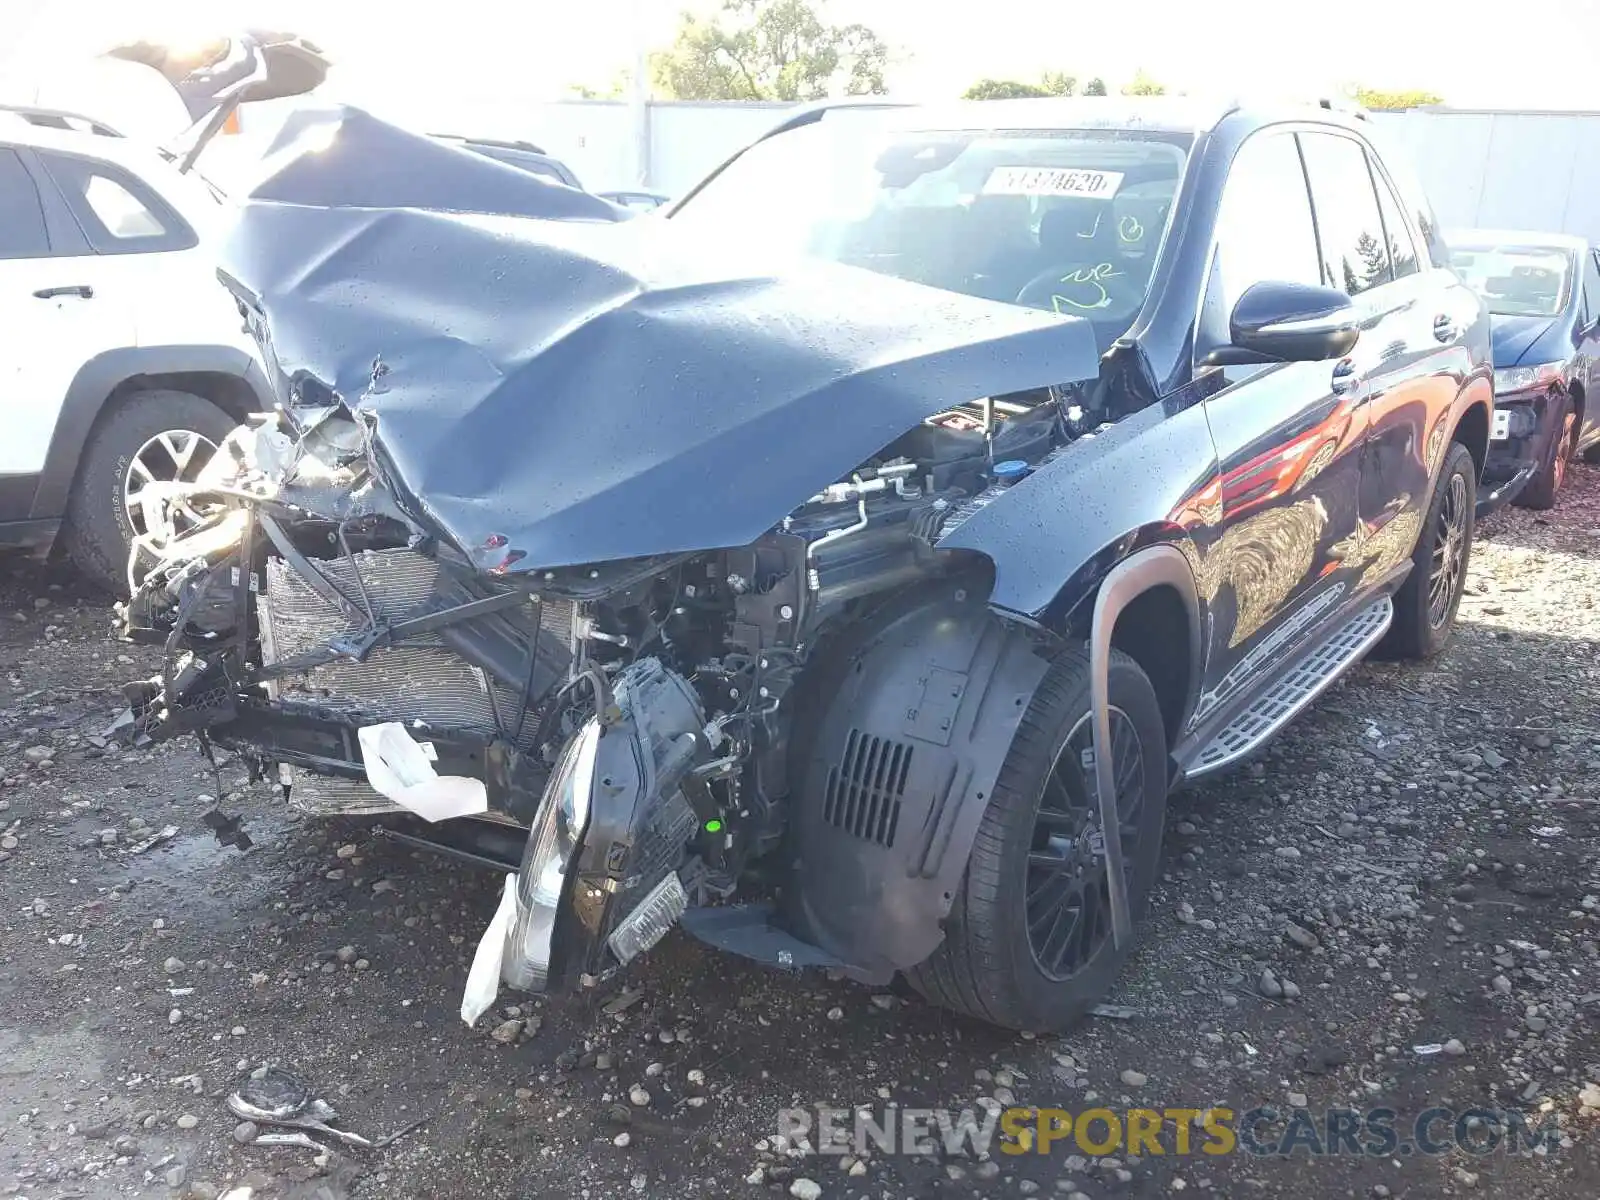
(641, 717)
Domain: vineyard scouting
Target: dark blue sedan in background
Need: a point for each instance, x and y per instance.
(1543, 295)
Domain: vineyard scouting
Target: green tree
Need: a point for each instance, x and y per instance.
(1143, 85)
(1095, 87)
(1051, 83)
(1376, 98)
(769, 50)
(1058, 83)
(617, 89)
(1002, 89)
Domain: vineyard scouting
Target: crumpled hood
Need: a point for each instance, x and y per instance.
(336, 156)
(595, 392)
(1514, 335)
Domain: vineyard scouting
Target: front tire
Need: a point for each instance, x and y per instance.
(1425, 606)
(1028, 939)
(1544, 489)
(149, 435)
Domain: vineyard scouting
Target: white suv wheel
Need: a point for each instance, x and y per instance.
(173, 456)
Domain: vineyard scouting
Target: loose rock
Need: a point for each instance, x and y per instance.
(1301, 936)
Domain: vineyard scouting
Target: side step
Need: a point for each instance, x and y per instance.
(1289, 695)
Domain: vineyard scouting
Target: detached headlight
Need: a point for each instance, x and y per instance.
(558, 831)
(1522, 379)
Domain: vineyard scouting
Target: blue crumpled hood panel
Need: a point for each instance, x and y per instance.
(1514, 336)
(596, 392)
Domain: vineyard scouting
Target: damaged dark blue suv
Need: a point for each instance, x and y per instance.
(847, 566)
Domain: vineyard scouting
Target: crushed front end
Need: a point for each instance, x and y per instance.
(580, 536)
(313, 627)
(634, 717)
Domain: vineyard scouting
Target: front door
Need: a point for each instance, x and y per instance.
(53, 312)
(1288, 436)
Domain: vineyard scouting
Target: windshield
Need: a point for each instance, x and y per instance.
(1532, 281)
(1069, 221)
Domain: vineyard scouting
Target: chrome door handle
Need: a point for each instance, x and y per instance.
(72, 289)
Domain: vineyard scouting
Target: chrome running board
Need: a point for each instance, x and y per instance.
(1288, 696)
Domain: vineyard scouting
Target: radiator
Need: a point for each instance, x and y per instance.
(421, 679)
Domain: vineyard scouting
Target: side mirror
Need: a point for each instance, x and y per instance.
(1290, 322)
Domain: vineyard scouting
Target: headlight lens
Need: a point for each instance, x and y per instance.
(558, 831)
(1521, 379)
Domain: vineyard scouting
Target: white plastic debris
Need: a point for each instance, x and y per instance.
(165, 834)
(398, 767)
(483, 980)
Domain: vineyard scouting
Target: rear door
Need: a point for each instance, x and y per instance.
(1288, 435)
(1411, 353)
(56, 311)
(151, 262)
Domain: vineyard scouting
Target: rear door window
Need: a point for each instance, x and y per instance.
(1349, 225)
(1396, 231)
(1413, 200)
(22, 228)
(118, 213)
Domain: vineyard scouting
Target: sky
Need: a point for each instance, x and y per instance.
(389, 52)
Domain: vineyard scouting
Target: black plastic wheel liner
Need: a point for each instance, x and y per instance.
(897, 772)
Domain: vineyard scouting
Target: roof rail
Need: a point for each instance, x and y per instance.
(497, 143)
(53, 118)
(1342, 104)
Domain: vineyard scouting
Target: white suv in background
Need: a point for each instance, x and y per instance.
(122, 358)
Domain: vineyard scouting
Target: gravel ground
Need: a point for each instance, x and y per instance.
(1414, 864)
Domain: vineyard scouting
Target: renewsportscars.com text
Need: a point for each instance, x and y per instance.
(1098, 1132)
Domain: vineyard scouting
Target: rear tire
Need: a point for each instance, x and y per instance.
(1544, 489)
(100, 531)
(1425, 615)
(992, 963)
